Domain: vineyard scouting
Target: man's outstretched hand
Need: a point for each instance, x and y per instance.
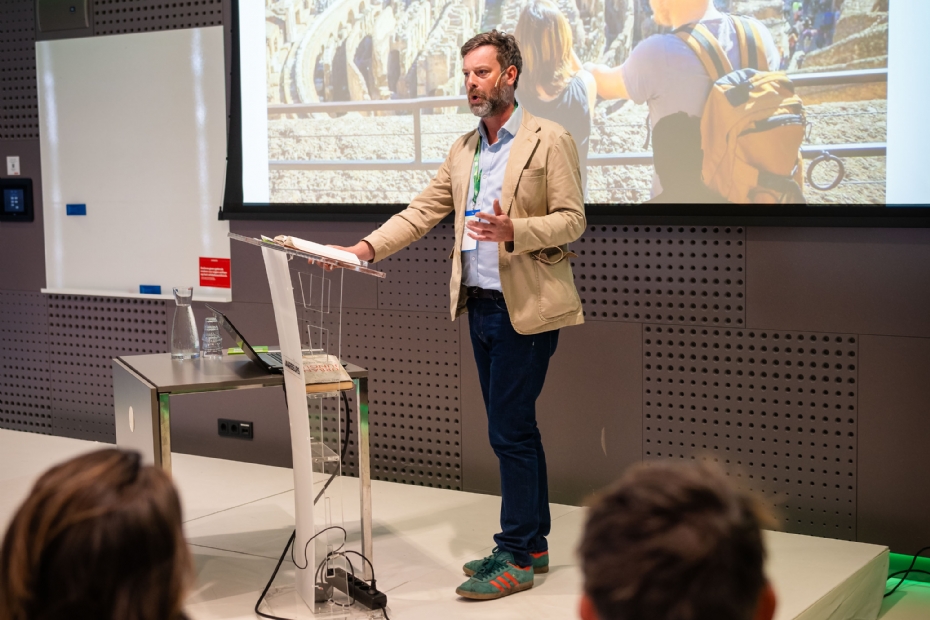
(497, 227)
(362, 249)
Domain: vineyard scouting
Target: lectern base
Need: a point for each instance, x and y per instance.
(286, 603)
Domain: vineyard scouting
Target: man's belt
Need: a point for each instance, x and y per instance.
(484, 293)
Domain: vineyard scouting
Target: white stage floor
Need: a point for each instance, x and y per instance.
(238, 517)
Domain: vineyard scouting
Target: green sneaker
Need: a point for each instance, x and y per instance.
(496, 577)
(540, 563)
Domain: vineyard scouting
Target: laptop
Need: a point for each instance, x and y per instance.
(269, 362)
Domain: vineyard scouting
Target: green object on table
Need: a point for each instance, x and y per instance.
(238, 350)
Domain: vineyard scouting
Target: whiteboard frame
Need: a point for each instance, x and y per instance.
(133, 126)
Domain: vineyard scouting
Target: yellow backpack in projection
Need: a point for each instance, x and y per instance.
(753, 122)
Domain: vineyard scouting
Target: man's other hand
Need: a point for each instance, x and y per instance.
(497, 227)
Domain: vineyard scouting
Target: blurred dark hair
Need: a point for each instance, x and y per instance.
(673, 542)
(99, 537)
(508, 52)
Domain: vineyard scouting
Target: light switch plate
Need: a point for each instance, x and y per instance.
(12, 165)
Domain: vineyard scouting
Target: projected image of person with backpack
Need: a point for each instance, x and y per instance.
(723, 69)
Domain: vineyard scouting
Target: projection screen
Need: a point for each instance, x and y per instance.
(356, 102)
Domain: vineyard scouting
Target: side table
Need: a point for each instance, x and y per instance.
(143, 386)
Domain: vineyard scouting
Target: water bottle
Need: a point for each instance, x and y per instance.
(212, 340)
(184, 343)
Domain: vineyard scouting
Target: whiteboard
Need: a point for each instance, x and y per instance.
(133, 126)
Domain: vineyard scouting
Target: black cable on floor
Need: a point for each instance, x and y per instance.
(306, 565)
(905, 573)
(277, 567)
(319, 569)
(270, 581)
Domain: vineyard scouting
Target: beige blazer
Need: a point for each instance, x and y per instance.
(543, 196)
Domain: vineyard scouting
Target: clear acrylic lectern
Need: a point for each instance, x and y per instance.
(307, 300)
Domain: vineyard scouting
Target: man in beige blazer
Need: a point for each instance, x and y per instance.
(514, 185)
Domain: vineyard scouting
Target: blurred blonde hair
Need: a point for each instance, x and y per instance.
(545, 39)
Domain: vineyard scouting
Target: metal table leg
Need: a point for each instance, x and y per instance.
(140, 425)
(364, 471)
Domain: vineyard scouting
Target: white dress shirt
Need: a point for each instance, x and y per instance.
(480, 266)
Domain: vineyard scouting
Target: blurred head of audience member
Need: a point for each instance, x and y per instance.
(555, 86)
(674, 542)
(673, 13)
(679, 159)
(99, 537)
(546, 44)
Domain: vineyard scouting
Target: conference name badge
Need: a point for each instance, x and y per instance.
(469, 244)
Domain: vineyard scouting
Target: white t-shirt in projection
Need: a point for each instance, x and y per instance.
(664, 73)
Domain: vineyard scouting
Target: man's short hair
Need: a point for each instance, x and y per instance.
(508, 52)
(674, 542)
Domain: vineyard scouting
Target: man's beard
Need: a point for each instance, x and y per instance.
(493, 104)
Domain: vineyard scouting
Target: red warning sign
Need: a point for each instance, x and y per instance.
(215, 272)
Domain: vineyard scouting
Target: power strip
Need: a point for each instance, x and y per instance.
(357, 589)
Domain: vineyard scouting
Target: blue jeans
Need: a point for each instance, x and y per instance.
(512, 369)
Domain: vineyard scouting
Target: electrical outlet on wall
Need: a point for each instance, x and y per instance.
(12, 165)
(234, 428)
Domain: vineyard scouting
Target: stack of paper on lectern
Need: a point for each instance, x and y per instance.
(325, 373)
(315, 248)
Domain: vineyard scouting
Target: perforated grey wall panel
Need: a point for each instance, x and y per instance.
(19, 111)
(85, 334)
(659, 274)
(778, 410)
(24, 364)
(121, 16)
(414, 393)
(418, 276)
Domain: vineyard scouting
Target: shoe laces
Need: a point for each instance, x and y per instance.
(490, 565)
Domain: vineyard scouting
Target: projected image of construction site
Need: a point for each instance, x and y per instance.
(365, 97)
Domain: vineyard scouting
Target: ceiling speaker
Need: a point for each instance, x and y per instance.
(56, 15)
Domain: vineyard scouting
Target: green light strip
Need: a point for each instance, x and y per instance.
(898, 562)
(364, 416)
